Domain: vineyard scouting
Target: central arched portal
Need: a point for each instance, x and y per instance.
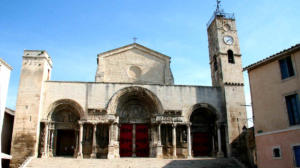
(135, 109)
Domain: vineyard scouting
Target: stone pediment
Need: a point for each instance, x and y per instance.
(134, 63)
(134, 46)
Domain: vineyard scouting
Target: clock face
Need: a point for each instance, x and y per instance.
(228, 40)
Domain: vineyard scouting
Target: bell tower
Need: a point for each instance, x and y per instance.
(227, 72)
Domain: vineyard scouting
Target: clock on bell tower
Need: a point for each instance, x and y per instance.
(227, 73)
(224, 50)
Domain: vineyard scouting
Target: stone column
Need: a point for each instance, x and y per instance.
(45, 153)
(213, 145)
(94, 146)
(77, 143)
(117, 147)
(159, 149)
(220, 152)
(116, 133)
(113, 148)
(174, 140)
(189, 140)
(159, 134)
(80, 140)
(51, 147)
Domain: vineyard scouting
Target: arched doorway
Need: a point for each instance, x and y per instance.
(64, 137)
(203, 131)
(135, 108)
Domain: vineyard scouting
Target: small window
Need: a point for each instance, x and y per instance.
(297, 155)
(230, 56)
(276, 152)
(215, 63)
(286, 67)
(293, 108)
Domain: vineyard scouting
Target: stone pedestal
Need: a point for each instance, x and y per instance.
(113, 152)
(159, 151)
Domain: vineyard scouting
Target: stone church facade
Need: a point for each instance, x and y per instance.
(133, 109)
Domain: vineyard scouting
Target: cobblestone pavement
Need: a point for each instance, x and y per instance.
(133, 163)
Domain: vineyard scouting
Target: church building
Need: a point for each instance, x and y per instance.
(133, 108)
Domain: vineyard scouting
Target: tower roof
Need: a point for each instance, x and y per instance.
(219, 13)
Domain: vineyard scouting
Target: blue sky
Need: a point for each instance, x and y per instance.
(74, 32)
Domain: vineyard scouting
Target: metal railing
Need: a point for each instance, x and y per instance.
(220, 14)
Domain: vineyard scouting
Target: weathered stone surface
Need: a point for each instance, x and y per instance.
(228, 75)
(134, 85)
(36, 69)
(134, 63)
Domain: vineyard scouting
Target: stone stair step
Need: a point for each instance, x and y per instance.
(59, 162)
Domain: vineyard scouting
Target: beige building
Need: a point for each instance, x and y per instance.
(133, 109)
(275, 89)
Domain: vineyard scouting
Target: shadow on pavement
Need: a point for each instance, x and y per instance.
(203, 163)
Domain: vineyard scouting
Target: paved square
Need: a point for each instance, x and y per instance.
(133, 163)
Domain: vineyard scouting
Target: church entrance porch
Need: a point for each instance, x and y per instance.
(60, 132)
(141, 140)
(205, 132)
(126, 140)
(134, 140)
(65, 145)
(135, 108)
(201, 144)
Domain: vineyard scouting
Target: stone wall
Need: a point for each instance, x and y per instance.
(98, 96)
(134, 64)
(35, 70)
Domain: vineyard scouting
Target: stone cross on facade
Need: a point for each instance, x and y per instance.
(134, 39)
(218, 5)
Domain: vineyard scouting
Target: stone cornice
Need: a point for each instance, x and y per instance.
(233, 84)
(130, 84)
(6, 64)
(131, 46)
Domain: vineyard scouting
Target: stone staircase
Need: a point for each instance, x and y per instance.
(60, 162)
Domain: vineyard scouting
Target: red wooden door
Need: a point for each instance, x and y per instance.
(126, 140)
(201, 144)
(141, 140)
(65, 142)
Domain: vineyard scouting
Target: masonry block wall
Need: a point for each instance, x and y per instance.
(36, 68)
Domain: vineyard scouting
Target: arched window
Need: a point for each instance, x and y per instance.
(230, 56)
(215, 63)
